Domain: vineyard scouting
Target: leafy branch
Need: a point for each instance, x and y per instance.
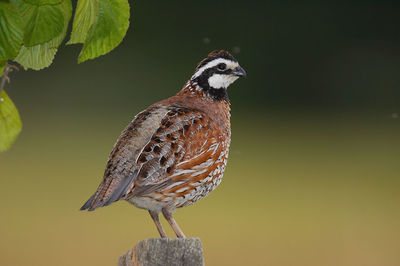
(32, 30)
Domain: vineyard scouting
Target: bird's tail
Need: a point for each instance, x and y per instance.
(109, 191)
(88, 203)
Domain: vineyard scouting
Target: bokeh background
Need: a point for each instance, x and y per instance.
(313, 175)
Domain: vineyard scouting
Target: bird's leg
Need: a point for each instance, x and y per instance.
(172, 222)
(160, 229)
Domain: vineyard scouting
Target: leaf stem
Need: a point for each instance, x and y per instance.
(4, 78)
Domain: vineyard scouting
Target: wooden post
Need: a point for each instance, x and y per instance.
(164, 252)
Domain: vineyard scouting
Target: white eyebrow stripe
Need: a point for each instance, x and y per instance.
(213, 63)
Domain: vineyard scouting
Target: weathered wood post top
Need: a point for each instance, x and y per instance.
(164, 252)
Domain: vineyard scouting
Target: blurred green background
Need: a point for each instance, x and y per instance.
(313, 175)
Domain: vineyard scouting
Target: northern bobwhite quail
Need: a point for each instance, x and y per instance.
(174, 153)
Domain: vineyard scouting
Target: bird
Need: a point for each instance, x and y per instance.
(174, 153)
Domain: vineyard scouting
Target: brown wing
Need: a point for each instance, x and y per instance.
(122, 167)
(184, 148)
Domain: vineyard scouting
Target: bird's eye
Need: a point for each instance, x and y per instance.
(221, 66)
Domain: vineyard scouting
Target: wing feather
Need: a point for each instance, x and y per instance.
(184, 139)
(122, 168)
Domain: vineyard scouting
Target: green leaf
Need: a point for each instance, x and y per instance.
(36, 57)
(42, 55)
(43, 23)
(11, 32)
(108, 30)
(43, 2)
(10, 122)
(85, 15)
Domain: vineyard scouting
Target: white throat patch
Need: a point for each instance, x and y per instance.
(218, 81)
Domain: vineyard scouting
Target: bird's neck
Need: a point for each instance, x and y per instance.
(193, 87)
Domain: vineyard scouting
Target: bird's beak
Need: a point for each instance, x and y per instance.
(239, 71)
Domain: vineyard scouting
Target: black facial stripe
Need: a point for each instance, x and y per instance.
(202, 80)
(221, 66)
(226, 72)
(217, 94)
(214, 70)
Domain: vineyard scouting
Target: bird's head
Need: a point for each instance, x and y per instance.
(216, 72)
